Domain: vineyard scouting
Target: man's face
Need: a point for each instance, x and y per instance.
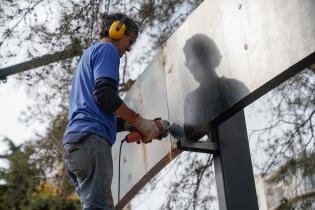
(125, 43)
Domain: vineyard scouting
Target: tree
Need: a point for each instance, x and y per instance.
(37, 27)
(77, 26)
(286, 144)
(26, 182)
(20, 171)
(291, 114)
(193, 188)
(31, 29)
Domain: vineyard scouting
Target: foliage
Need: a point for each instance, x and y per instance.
(21, 170)
(290, 110)
(35, 27)
(25, 184)
(286, 145)
(45, 26)
(193, 186)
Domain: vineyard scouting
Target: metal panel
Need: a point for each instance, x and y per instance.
(227, 50)
(219, 59)
(147, 97)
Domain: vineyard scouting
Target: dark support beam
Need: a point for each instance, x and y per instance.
(233, 167)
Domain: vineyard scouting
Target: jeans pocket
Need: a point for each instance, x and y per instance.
(78, 161)
(71, 147)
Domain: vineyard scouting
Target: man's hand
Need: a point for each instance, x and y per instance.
(129, 127)
(147, 128)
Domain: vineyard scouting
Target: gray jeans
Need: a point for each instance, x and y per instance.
(90, 167)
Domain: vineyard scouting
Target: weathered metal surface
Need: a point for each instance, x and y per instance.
(147, 97)
(228, 49)
(222, 56)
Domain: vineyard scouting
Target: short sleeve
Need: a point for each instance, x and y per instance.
(106, 62)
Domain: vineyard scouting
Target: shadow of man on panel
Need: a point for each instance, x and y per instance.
(214, 94)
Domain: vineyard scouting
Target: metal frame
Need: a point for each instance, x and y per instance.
(211, 146)
(235, 181)
(233, 167)
(200, 146)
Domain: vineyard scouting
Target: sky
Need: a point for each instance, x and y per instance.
(13, 95)
(13, 101)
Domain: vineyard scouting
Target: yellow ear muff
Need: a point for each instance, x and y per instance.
(117, 30)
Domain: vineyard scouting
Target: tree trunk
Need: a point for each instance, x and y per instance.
(44, 60)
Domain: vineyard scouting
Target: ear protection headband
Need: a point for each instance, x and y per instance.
(118, 28)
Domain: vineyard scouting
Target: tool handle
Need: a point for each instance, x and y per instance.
(133, 137)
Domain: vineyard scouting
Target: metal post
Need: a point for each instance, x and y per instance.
(233, 167)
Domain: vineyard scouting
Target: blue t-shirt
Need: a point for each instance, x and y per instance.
(85, 116)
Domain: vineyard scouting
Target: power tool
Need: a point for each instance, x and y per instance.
(163, 126)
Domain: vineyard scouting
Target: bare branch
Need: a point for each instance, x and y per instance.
(28, 11)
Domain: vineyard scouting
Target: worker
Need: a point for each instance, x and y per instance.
(96, 113)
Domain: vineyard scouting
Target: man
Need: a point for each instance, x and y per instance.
(94, 105)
